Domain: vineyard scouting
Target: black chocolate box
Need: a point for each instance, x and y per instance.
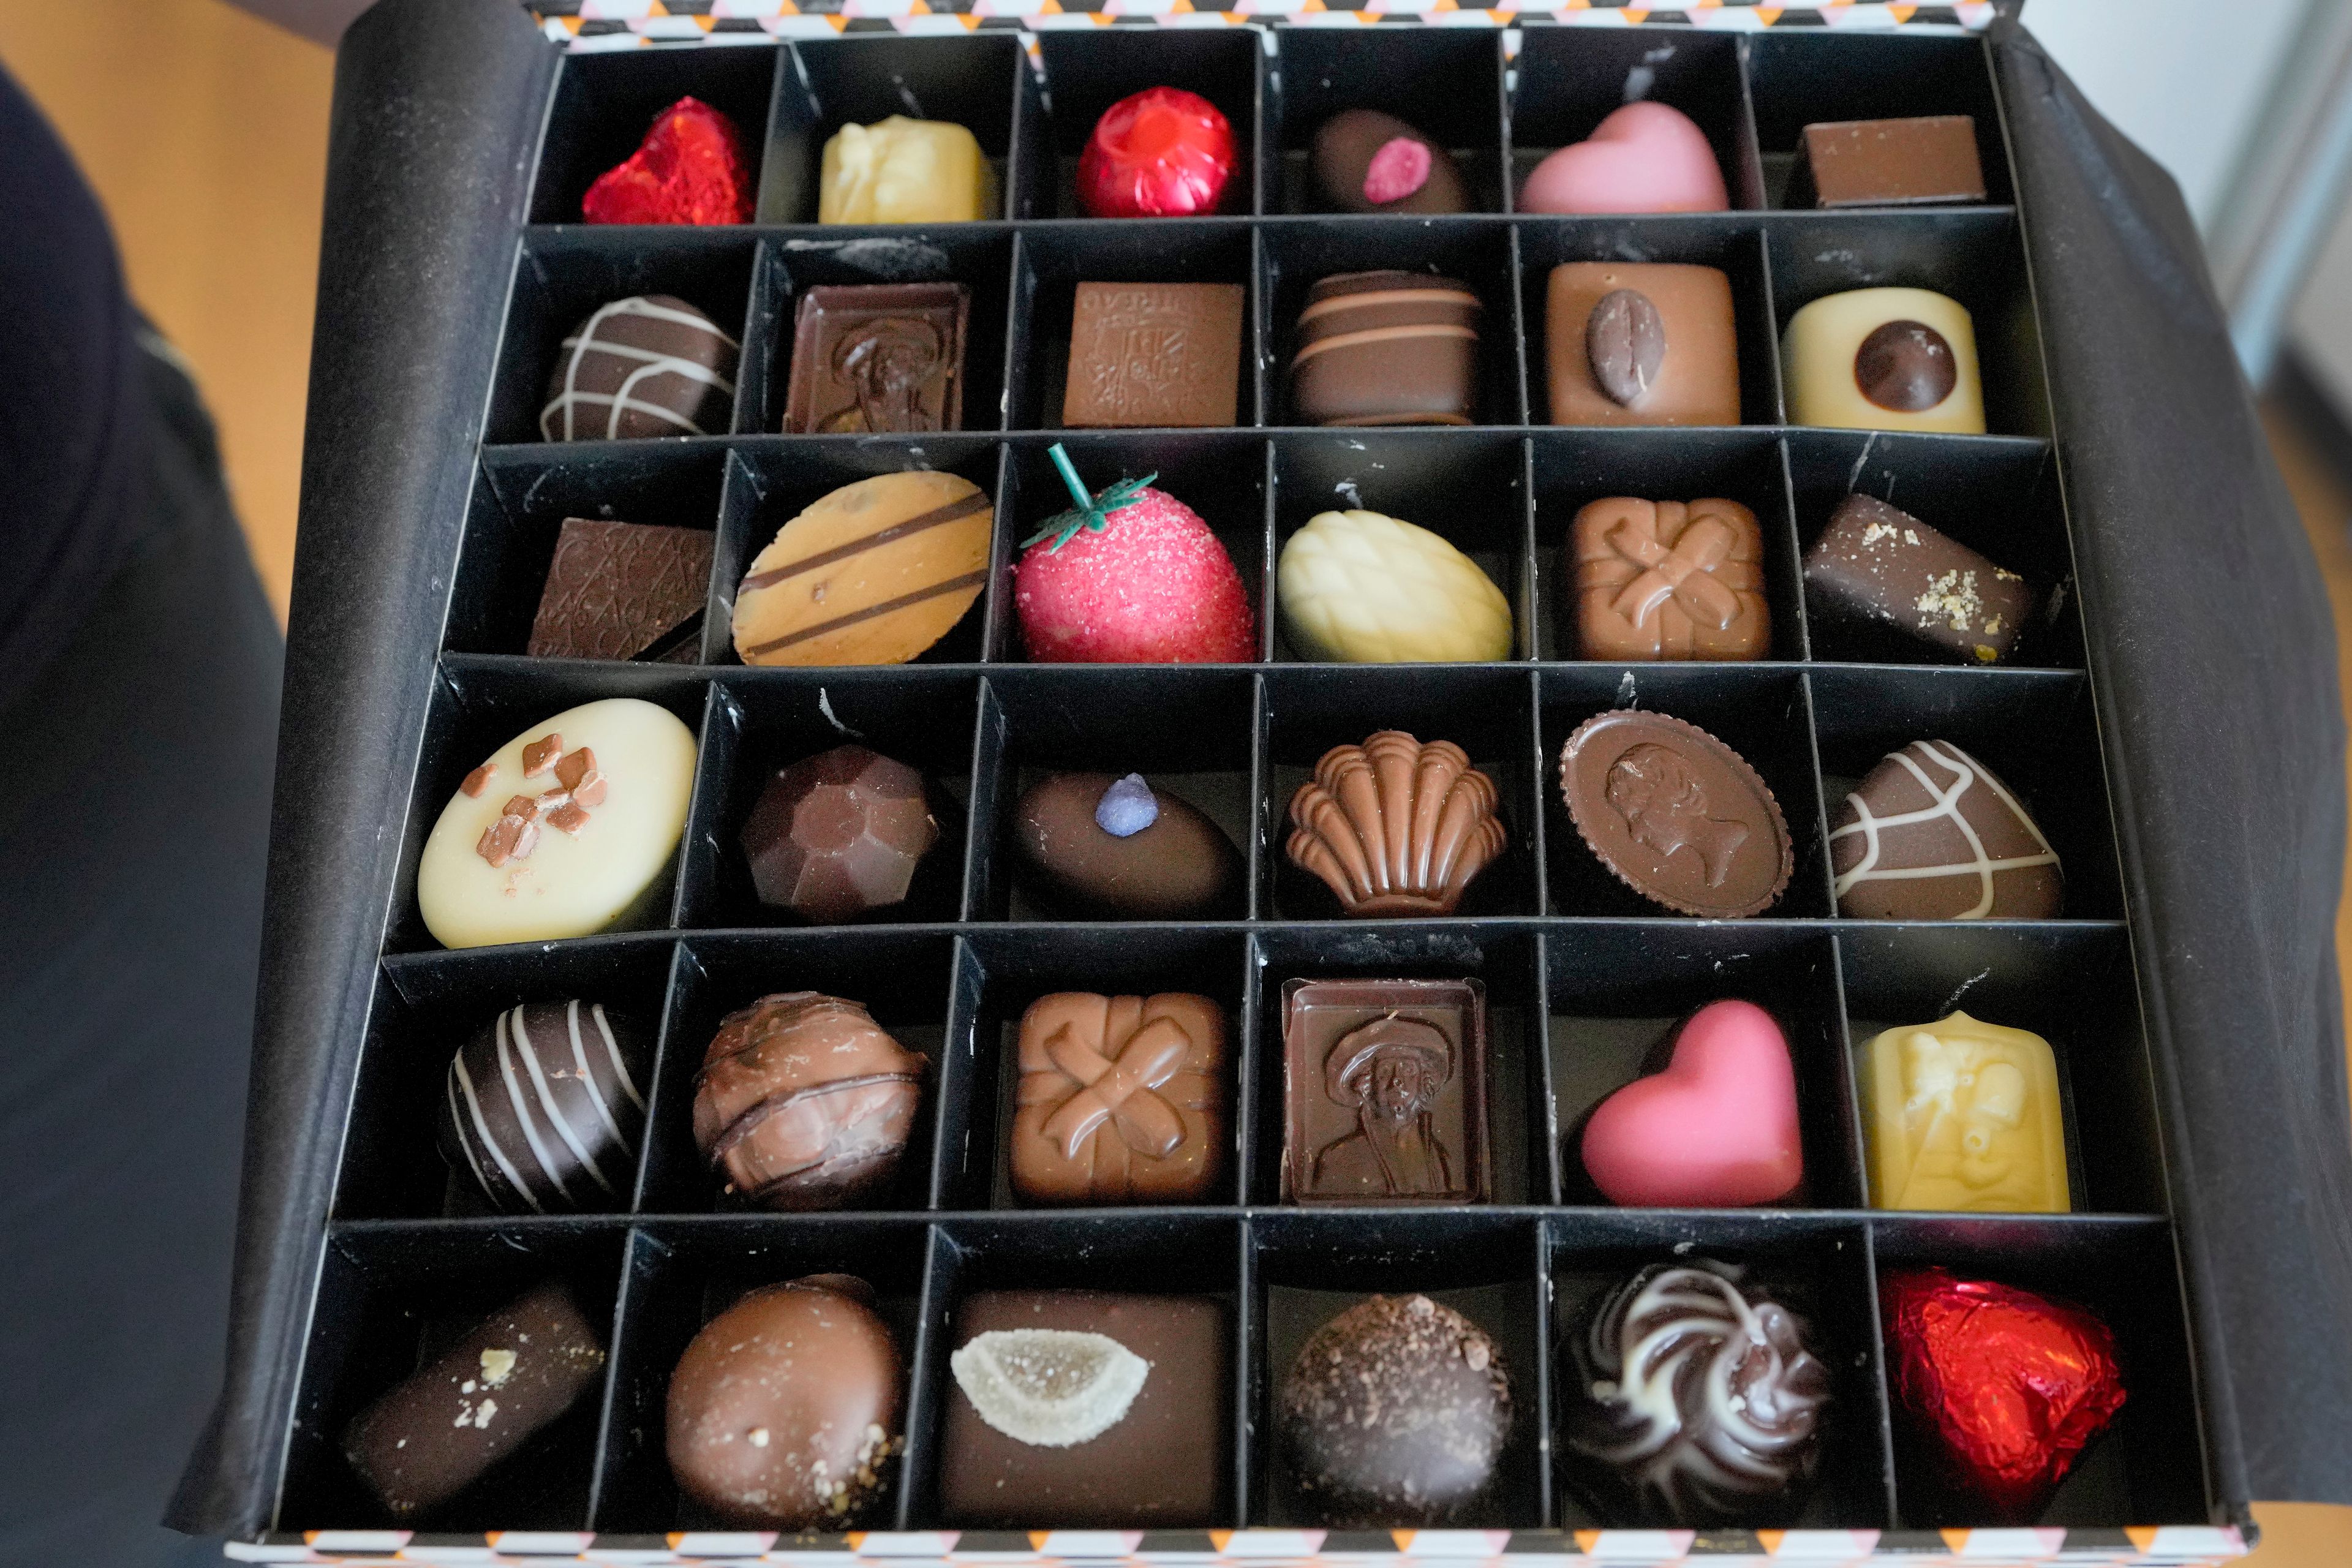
(2181, 991)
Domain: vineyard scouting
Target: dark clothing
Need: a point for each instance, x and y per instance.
(138, 671)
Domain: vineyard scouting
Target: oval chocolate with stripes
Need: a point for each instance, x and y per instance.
(873, 574)
(543, 1108)
(650, 365)
(1386, 348)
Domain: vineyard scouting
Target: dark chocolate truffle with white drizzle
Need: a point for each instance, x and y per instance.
(543, 1108)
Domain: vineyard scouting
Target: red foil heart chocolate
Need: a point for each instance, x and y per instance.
(1162, 152)
(2003, 1387)
(690, 168)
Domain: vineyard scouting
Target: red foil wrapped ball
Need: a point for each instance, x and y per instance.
(690, 168)
(1162, 152)
(2002, 1387)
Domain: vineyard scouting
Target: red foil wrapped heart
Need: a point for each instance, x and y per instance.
(1162, 152)
(2002, 1387)
(690, 168)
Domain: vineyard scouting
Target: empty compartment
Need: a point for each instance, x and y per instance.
(1732, 246)
(1576, 469)
(1760, 714)
(1571, 79)
(1049, 262)
(1501, 959)
(1999, 498)
(2072, 985)
(432, 1004)
(479, 705)
(1975, 257)
(1469, 490)
(770, 484)
(606, 103)
(1446, 85)
(1087, 69)
(1190, 733)
(766, 722)
(2035, 730)
(1482, 710)
(2148, 1466)
(1619, 998)
(564, 277)
(1474, 254)
(1800, 79)
(1313, 1267)
(1003, 973)
(685, 1272)
(391, 1301)
(1816, 1267)
(1223, 478)
(977, 80)
(1182, 1468)
(521, 501)
(901, 977)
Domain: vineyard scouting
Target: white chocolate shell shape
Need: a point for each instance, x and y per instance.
(1396, 827)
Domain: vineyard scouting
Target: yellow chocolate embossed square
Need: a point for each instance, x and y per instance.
(1962, 1115)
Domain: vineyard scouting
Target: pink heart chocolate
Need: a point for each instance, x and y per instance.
(1645, 158)
(1717, 1129)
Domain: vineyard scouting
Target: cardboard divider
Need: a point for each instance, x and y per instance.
(2071, 984)
(1446, 85)
(1312, 1265)
(1576, 468)
(1297, 256)
(1087, 69)
(1760, 712)
(1848, 75)
(1049, 262)
(1998, 496)
(2034, 729)
(564, 276)
(1975, 255)
(392, 1298)
(1571, 79)
(1816, 1265)
(1186, 728)
(978, 81)
(763, 722)
(2149, 1465)
(1733, 245)
(604, 104)
(1618, 996)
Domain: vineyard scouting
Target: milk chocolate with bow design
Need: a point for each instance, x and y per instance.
(1122, 1100)
(1669, 580)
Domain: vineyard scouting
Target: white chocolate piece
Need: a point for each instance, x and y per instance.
(1362, 588)
(608, 874)
(903, 171)
(1964, 1115)
(1817, 355)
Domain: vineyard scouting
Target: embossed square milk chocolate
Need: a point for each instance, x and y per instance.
(1122, 1100)
(1669, 579)
(1385, 1092)
(885, 358)
(1148, 355)
(1641, 344)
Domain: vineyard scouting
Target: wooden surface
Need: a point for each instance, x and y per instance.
(204, 133)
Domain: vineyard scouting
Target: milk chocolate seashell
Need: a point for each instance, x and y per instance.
(1395, 827)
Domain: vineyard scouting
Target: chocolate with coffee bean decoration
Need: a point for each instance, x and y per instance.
(1367, 162)
(1385, 1092)
(1930, 834)
(1641, 344)
(839, 835)
(1676, 814)
(1121, 1100)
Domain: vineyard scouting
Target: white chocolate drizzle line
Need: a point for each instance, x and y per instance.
(1965, 776)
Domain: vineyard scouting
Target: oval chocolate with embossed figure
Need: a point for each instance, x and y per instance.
(1625, 343)
(1680, 818)
(1066, 832)
(1906, 366)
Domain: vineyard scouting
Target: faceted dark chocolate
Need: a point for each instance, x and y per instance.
(1394, 1414)
(879, 358)
(622, 590)
(1384, 1092)
(839, 834)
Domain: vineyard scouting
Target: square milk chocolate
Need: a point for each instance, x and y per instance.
(1641, 344)
(1149, 354)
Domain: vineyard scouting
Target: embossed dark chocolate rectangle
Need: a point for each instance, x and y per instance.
(1385, 1092)
(882, 358)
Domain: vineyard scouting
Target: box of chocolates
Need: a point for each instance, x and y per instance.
(1251, 791)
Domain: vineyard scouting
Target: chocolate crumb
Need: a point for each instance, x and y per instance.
(538, 755)
(479, 780)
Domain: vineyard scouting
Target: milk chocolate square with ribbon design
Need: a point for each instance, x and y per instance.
(1122, 1100)
(1669, 580)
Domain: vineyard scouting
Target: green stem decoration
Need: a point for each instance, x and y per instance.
(1093, 511)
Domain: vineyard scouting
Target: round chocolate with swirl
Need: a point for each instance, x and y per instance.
(1694, 1399)
(543, 1108)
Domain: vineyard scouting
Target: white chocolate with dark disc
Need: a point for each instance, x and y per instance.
(570, 829)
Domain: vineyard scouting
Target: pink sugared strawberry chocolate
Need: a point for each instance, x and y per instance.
(1130, 576)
